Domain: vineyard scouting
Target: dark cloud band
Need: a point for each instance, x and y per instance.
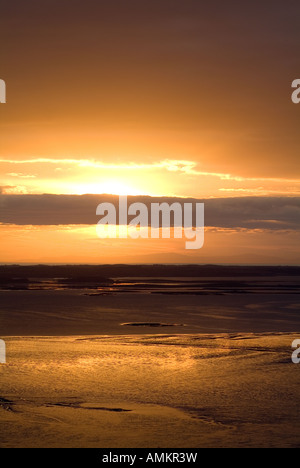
(274, 213)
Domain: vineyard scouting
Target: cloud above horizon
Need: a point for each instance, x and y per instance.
(263, 213)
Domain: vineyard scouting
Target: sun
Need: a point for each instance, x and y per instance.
(110, 187)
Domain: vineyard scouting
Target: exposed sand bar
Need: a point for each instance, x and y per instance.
(224, 390)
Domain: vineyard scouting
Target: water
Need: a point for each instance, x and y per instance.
(184, 305)
(150, 362)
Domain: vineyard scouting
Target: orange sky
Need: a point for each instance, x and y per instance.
(187, 99)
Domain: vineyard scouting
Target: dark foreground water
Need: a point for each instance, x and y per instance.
(151, 305)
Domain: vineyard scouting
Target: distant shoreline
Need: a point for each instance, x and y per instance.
(143, 271)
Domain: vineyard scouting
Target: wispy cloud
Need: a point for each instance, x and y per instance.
(262, 191)
(20, 175)
(181, 166)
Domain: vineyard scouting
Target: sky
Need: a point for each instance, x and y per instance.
(160, 98)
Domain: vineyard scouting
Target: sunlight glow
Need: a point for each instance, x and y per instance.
(111, 187)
